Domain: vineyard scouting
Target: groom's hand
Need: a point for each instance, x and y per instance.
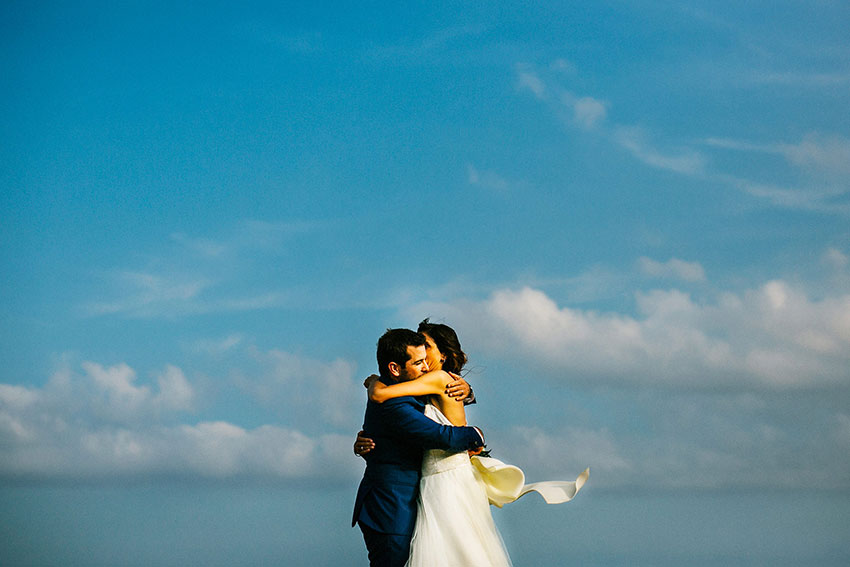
(478, 450)
(458, 389)
(362, 445)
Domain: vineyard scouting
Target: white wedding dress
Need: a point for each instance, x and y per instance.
(454, 526)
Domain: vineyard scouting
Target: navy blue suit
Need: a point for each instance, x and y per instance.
(386, 500)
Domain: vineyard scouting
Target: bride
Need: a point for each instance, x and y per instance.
(454, 525)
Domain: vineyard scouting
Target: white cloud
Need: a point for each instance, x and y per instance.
(224, 450)
(17, 397)
(673, 268)
(822, 160)
(686, 441)
(820, 198)
(207, 449)
(120, 396)
(545, 455)
(216, 347)
(202, 246)
(529, 80)
(588, 112)
(247, 236)
(562, 66)
(819, 154)
(487, 179)
(683, 160)
(304, 390)
(101, 424)
(148, 295)
(786, 78)
(435, 44)
(175, 391)
(264, 234)
(830, 154)
(836, 259)
(773, 337)
(145, 294)
(196, 275)
(112, 393)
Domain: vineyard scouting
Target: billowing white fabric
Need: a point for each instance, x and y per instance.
(505, 483)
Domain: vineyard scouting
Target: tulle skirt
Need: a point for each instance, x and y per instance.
(454, 526)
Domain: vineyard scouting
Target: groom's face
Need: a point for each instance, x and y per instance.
(415, 365)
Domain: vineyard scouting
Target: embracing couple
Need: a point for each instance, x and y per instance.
(425, 495)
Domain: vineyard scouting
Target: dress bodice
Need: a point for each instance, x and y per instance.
(438, 460)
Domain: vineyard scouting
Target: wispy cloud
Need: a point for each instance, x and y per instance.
(799, 78)
(248, 236)
(822, 154)
(824, 160)
(563, 66)
(487, 179)
(216, 346)
(675, 268)
(823, 163)
(194, 275)
(836, 258)
(530, 81)
(829, 200)
(827, 154)
(427, 46)
(588, 112)
(299, 42)
(591, 114)
(147, 294)
(636, 141)
(202, 246)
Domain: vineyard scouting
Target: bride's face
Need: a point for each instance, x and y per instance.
(433, 356)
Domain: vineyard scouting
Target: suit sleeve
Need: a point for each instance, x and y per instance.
(409, 423)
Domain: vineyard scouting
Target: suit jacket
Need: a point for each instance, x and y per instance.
(386, 499)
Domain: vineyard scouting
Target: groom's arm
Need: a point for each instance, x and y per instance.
(458, 389)
(410, 424)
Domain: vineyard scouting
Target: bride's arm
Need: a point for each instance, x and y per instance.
(427, 384)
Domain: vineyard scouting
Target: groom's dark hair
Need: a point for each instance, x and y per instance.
(392, 347)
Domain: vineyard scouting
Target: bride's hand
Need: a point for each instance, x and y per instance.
(372, 384)
(367, 383)
(457, 389)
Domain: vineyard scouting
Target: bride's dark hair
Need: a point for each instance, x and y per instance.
(446, 340)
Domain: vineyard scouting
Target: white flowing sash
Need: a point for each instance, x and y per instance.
(505, 483)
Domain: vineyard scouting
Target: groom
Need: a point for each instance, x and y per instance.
(385, 508)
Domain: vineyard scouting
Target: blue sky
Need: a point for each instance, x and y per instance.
(636, 215)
